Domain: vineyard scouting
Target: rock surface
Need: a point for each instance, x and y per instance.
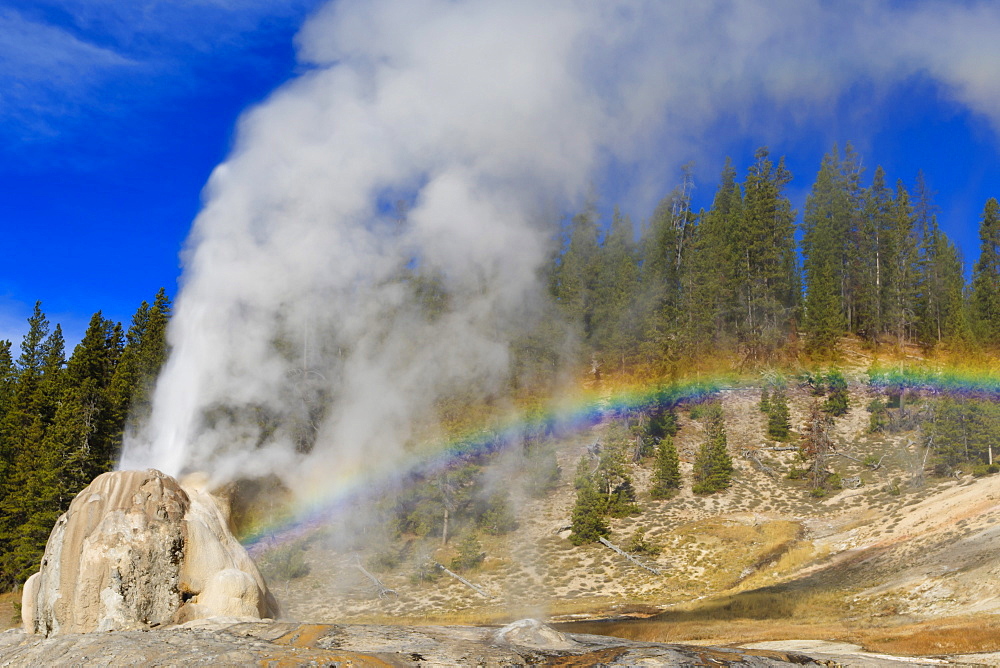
(225, 643)
(137, 550)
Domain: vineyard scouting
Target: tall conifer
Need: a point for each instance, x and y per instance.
(986, 277)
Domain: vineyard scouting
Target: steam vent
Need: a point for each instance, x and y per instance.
(136, 550)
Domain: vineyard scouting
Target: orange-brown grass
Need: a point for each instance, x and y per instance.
(958, 635)
(757, 621)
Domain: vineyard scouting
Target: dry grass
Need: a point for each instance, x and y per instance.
(961, 635)
(750, 617)
(496, 614)
(10, 610)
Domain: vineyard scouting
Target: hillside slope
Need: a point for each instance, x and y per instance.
(895, 549)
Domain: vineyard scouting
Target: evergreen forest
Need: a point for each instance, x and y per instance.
(749, 281)
(62, 420)
(872, 262)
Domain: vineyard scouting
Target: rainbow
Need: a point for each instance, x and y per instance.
(962, 381)
(574, 415)
(561, 418)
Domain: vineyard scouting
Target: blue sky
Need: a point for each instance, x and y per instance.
(113, 114)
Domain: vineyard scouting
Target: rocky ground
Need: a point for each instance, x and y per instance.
(229, 643)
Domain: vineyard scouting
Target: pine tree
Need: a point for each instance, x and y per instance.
(470, 553)
(778, 424)
(614, 332)
(659, 299)
(575, 277)
(667, 475)
(955, 328)
(85, 429)
(614, 481)
(830, 237)
(930, 304)
(710, 302)
(8, 389)
(767, 281)
(144, 353)
(824, 322)
(26, 515)
(713, 467)
(872, 253)
(588, 514)
(25, 406)
(902, 268)
(986, 277)
(765, 400)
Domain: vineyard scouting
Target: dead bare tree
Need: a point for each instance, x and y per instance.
(628, 556)
(817, 442)
(468, 584)
(753, 456)
(380, 588)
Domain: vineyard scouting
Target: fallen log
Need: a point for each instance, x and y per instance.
(874, 467)
(464, 581)
(754, 459)
(628, 556)
(383, 591)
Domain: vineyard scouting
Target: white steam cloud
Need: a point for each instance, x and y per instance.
(487, 118)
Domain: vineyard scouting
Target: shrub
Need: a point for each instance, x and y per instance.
(836, 403)
(542, 472)
(470, 554)
(426, 572)
(497, 518)
(662, 423)
(941, 470)
(879, 417)
(285, 562)
(385, 560)
(796, 473)
(638, 544)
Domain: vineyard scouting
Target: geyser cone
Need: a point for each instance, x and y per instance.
(138, 549)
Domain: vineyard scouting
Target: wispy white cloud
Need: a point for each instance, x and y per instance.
(64, 58)
(45, 69)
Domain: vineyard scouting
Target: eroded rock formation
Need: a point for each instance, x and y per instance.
(136, 550)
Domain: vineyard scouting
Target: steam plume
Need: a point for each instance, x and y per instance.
(485, 118)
